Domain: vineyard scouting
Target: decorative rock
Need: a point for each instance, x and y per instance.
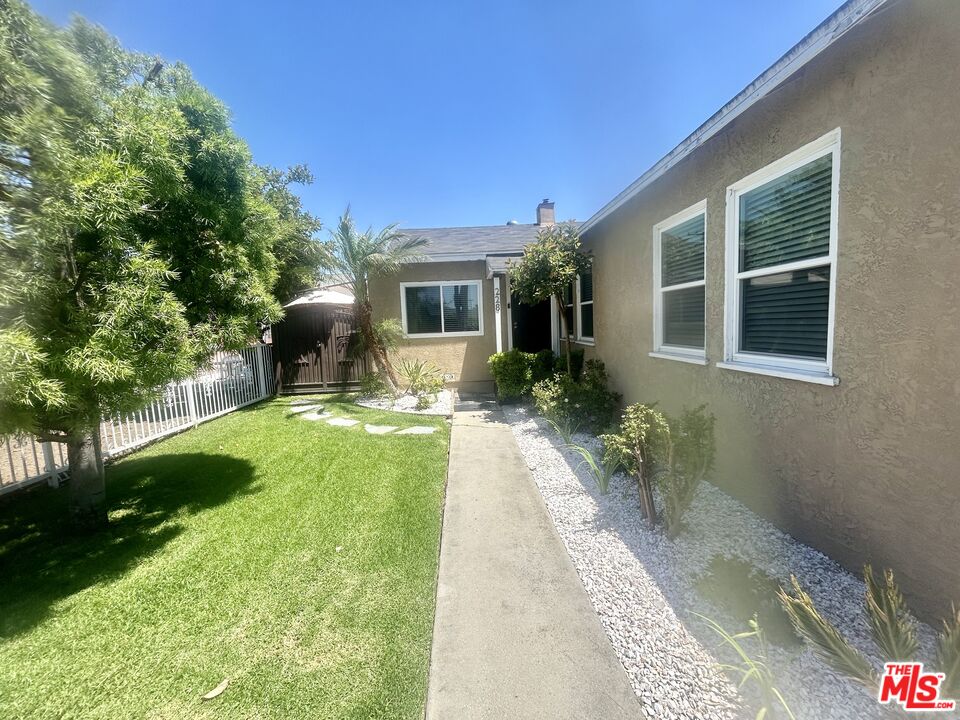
(417, 430)
(643, 588)
(379, 429)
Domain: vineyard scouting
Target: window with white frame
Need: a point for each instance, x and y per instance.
(585, 307)
(679, 285)
(434, 309)
(781, 265)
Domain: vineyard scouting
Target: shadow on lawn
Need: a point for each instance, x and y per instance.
(42, 563)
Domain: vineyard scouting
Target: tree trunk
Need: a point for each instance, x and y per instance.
(88, 493)
(645, 488)
(380, 359)
(566, 333)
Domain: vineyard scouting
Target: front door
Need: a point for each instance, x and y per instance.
(531, 325)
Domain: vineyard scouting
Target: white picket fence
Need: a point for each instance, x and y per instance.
(229, 381)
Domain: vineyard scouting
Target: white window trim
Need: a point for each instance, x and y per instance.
(441, 284)
(816, 371)
(577, 304)
(660, 349)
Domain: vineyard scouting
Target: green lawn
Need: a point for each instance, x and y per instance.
(297, 559)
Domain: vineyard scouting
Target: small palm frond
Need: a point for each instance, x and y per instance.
(948, 654)
(827, 643)
(890, 622)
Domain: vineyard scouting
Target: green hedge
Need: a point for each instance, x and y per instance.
(516, 372)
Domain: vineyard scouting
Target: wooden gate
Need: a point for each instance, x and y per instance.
(311, 350)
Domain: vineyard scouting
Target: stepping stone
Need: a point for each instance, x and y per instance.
(306, 408)
(316, 415)
(418, 430)
(303, 402)
(342, 422)
(379, 429)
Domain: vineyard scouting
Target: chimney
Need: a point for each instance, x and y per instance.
(545, 214)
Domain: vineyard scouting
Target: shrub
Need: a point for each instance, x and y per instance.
(372, 385)
(690, 451)
(542, 367)
(588, 404)
(643, 435)
(512, 374)
(576, 363)
(673, 454)
(422, 377)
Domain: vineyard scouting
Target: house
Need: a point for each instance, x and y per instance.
(456, 306)
(794, 264)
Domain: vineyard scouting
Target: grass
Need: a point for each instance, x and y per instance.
(297, 559)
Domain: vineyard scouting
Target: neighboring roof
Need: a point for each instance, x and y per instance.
(322, 296)
(474, 243)
(823, 36)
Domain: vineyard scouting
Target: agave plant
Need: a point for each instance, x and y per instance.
(892, 627)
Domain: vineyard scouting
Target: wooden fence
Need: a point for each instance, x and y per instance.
(229, 381)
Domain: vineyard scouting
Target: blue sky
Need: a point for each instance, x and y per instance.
(462, 113)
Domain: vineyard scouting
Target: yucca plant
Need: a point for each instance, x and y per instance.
(891, 624)
(753, 669)
(601, 471)
(948, 654)
(827, 642)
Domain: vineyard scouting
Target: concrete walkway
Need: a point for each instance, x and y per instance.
(515, 634)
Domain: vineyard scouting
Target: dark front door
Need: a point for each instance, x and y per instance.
(531, 325)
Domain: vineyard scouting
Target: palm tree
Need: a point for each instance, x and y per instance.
(358, 257)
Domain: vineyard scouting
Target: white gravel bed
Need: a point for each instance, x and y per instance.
(643, 587)
(408, 404)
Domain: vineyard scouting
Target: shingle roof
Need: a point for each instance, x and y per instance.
(463, 243)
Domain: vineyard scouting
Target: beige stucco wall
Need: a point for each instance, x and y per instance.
(868, 470)
(463, 357)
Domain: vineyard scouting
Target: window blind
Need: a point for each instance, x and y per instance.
(787, 219)
(787, 313)
(423, 309)
(586, 287)
(461, 308)
(681, 252)
(683, 317)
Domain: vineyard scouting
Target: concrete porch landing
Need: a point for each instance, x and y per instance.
(515, 635)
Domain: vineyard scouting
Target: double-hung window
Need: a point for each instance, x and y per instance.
(585, 307)
(781, 265)
(678, 285)
(442, 309)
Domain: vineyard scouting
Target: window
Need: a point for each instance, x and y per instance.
(781, 258)
(678, 285)
(585, 307)
(434, 309)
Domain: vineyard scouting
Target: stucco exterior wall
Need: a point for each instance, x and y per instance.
(463, 357)
(868, 470)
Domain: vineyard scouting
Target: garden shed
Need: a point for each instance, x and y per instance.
(312, 344)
